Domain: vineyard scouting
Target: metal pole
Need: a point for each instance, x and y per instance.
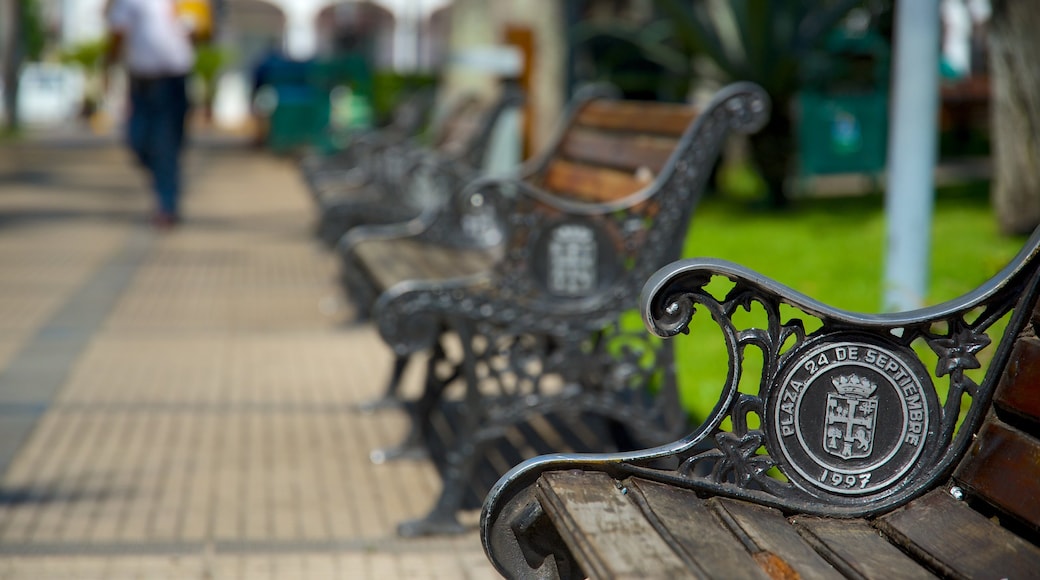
(912, 152)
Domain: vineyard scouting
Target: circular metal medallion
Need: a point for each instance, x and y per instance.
(574, 258)
(852, 415)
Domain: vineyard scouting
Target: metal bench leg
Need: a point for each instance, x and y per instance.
(443, 518)
(461, 456)
(389, 398)
(413, 447)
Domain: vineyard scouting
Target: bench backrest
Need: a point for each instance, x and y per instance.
(461, 132)
(424, 178)
(610, 201)
(614, 148)
(1002, 466)
(460, 124)
(464, 132)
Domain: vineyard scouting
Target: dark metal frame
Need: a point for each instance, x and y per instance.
(357, 162)
(462, 219)
(389, 189)
(755, 463)
(531, 346)
(419, 204)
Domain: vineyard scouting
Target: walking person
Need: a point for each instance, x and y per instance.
(156, 48)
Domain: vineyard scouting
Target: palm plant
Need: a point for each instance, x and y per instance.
(765, 41)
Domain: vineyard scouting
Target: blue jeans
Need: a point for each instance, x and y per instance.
(155, 132)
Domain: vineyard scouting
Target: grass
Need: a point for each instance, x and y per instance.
(832, 249)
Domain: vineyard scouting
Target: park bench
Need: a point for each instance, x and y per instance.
(355, 161)
(390, 189)
(528, 346)
(868, 446)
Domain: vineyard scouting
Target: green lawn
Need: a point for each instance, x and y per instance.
(832, 250)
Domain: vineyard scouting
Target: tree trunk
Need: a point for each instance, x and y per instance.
(1014, 49)
(773, 150)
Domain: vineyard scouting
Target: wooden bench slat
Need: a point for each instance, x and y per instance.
(461, 132)
(619, 151)
(1002, 467)
(392, 261)
(686, 523)
(605, 531)
(958, 541)
(774, 543)
(460, 124)
(590, 183)
(856, 549)
(663, 118)
(1018, 392)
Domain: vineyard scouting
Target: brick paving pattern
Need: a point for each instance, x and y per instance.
(180, 405)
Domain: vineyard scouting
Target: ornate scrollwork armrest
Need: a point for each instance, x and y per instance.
(371, 232)
(434, 180)
(875, 362)
(410, 315)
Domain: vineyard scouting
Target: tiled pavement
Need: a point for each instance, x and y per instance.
(180, 405)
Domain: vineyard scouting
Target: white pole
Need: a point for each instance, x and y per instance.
(912, 152)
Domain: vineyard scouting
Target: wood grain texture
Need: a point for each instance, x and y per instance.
(651, 117)
(1003, 467)
(682, 519)
(606, 532)
(1019, 388)
(767, 533)
(591, 183)
(622, 151)
(459, 123)
(957, 541)
(389, 262)
(857, 550)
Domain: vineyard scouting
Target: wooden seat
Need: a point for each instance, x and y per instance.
(392, 261)
(646, 529)
(848, 463)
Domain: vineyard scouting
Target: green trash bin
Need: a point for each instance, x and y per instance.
(343, 84)
(843, 133)
(843, 105)
(305, 97)
(296, 106)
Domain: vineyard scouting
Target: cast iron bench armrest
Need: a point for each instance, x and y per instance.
(415, 321)
(372, 232)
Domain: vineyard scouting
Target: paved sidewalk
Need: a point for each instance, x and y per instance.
(180, 405)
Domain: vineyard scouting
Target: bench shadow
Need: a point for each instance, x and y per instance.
(47, 493)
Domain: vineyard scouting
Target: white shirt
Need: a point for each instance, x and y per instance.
(156, 42)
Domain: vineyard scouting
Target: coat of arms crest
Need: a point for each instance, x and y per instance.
(851, 415)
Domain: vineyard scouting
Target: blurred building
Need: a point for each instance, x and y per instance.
(468, 44)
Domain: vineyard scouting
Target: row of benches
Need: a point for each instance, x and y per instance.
(839, 466)
(514, 288)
